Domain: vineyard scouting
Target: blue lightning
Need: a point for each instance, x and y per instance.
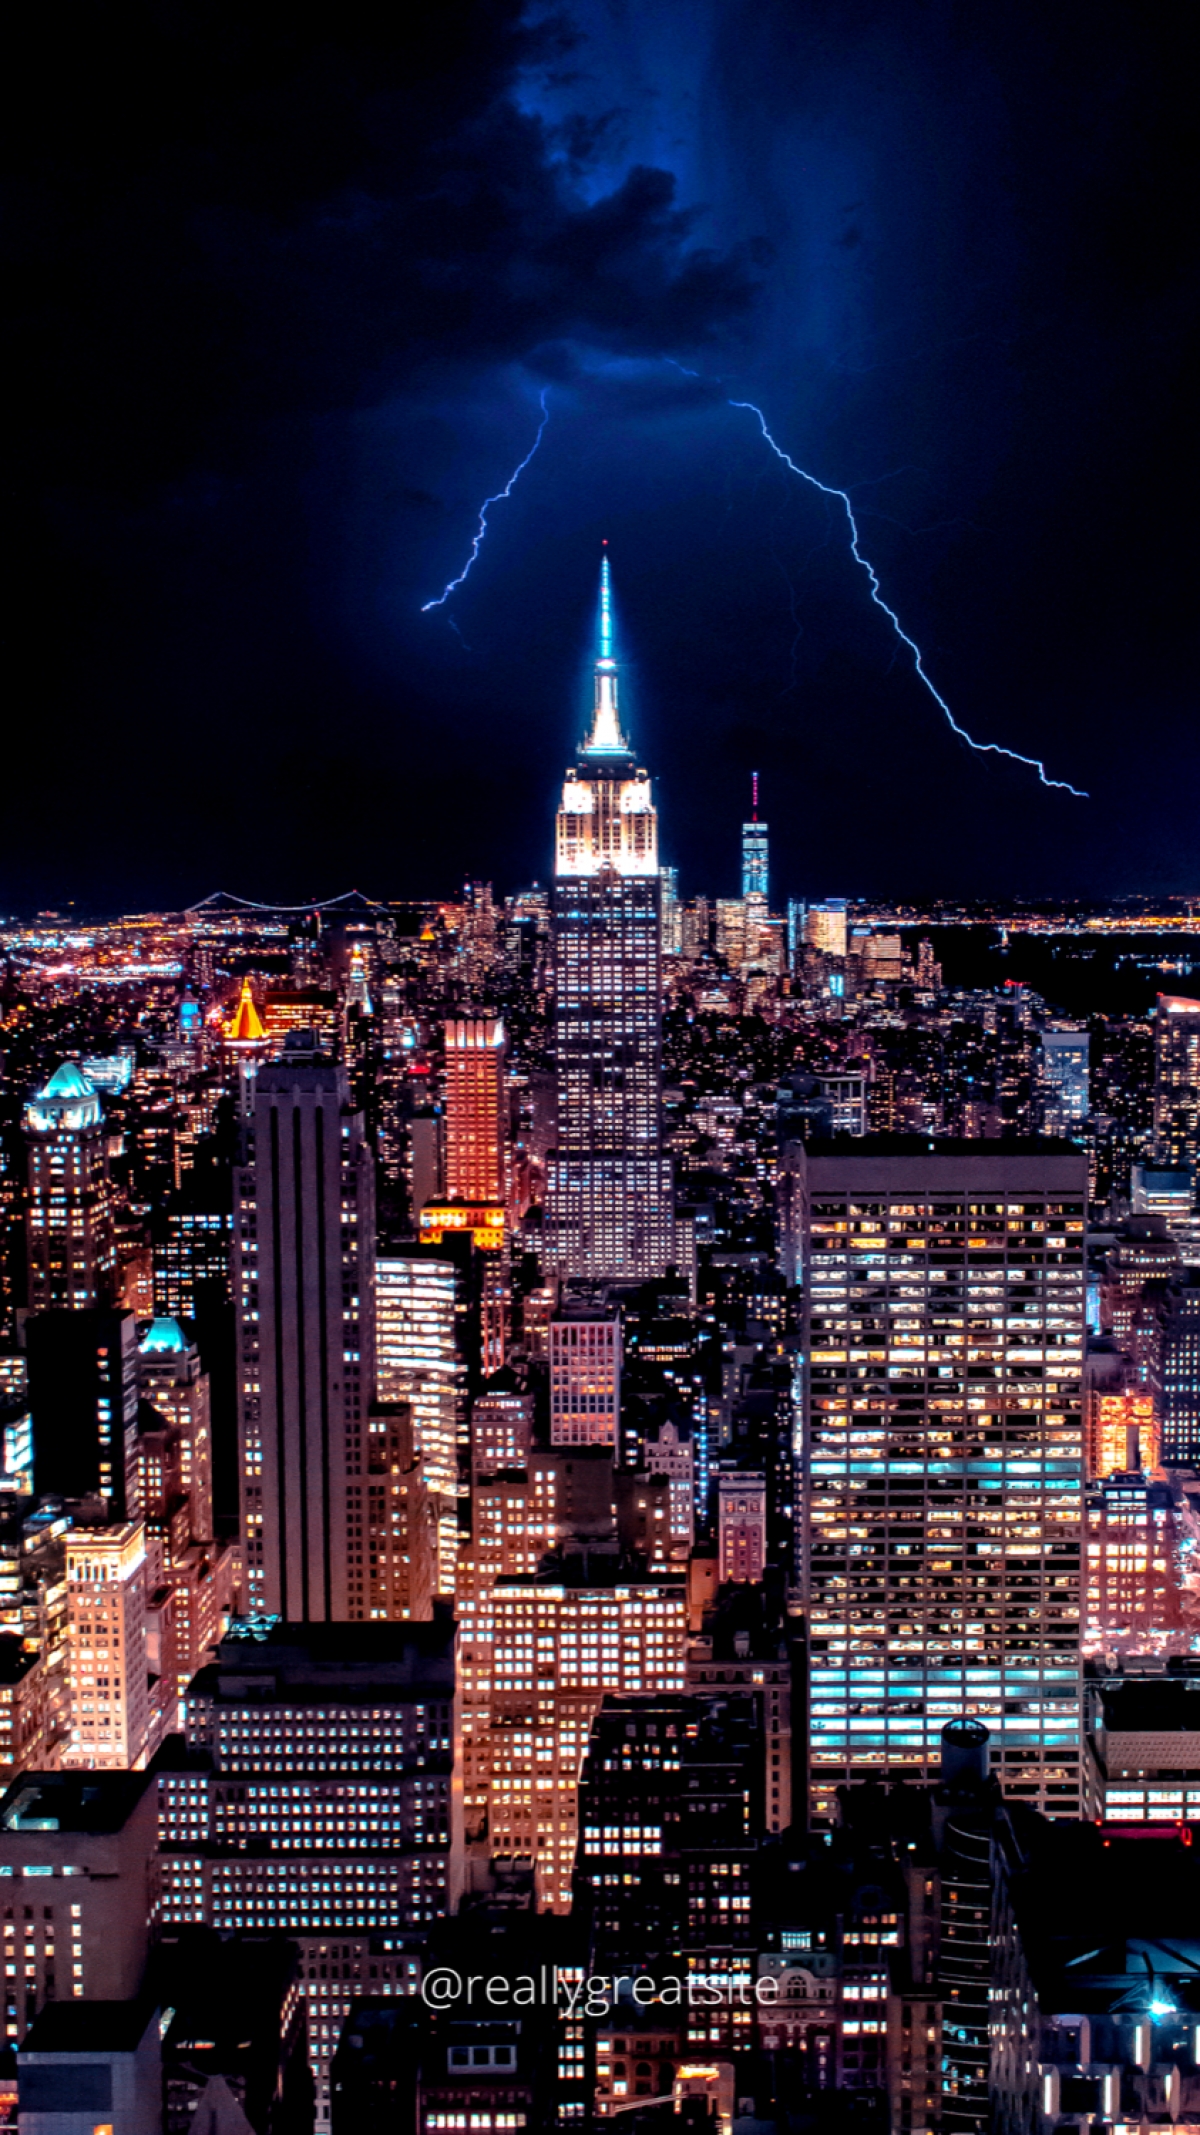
(984, 748)
(441, 598)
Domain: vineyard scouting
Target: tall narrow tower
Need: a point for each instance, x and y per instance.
(610, 1184)
(755, 866)
(304, 1273)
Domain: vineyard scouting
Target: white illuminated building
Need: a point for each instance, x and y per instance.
(610, 1184)
(417, 1360)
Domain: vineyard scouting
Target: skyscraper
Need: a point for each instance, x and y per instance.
(755, 866)
(304, 1276)
(418, 1362)
(69, 1226)
(942, 1460)
(1064, 1081)
(1177, 1081)
(610, 1183)
(475, 1109)
(83, 1393)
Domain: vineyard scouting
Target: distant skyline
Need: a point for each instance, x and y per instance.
(292, 304)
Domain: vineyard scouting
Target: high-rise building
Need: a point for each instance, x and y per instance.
(475, 1110)
(1180, 1395)
(942, 1468)
(1063, 1081)
(107, 1679)
(1177, 1082)
(304, 1275)
(173, 1383)
(558, 1648)
(418, 1361)
(741, 1526)
(755, 851)
(69, 1215)
(319, 1794)
(83, 1394)
(826, 926)
(88, 1838)
(610, 1182)
(585, 1376)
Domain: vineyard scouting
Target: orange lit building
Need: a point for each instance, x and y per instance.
(475, 1110)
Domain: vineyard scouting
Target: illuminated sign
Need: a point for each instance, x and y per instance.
(484, 1220)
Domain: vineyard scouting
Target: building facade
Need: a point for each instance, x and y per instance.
(304, 1286)
(610, 1182)
(69, 1214)
(942, 1460)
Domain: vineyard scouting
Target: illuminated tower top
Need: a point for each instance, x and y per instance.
(754, 849)
(607, 817)
(606, 738)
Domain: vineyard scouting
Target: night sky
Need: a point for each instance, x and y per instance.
(284, 287)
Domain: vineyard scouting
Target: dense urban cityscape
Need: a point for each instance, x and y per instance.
(601, 1504)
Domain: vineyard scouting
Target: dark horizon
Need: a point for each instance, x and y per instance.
(288, 299)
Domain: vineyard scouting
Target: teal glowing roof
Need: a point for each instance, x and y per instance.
(162, 1336)
(68, 1080)
(68, 1103)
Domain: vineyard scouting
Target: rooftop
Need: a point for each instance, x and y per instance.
(88, 2027)
(95, 1802)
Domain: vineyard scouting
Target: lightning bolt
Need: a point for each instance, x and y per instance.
(440, 599)
(983, 748)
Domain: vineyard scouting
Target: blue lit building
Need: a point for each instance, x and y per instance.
(69, 1216)
(755, 853)
(1064, 1082)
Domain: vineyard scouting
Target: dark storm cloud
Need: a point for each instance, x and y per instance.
(224, 215)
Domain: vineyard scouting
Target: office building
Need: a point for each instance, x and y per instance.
(826, 926)
(193, 1261)
(942, 1464)
(475, 1114)
(174, 1384)
(558, 1647)
(400, 1536)
(1131, 1587)
(1171, 1195)
(610, 1182)
(1180, 1372)
(1063, 1081)
(673, 1456)
(418, 1361)
(1177, 1083)
(670, 1817)
(23, 1732)
(83, 1397)
(741, 1527)
(1143, 1738)
(71, 1259)
(304, 1283)
(318, 1793)
(585, 1376)
(501, 1433)
(84, 1842)
(107, 1676)
(84, 2058)
(1121, 1425)
(755, 860)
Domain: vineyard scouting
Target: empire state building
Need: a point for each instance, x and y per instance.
(611, 1211)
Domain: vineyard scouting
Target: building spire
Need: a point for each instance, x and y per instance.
(606, 738)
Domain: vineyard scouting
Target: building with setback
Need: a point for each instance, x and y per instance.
(317, 1792)
(610, 1182)
(69, 1214)
(942, 1459)
(304, 1285)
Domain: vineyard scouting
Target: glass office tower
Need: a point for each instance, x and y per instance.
(942, 1460)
